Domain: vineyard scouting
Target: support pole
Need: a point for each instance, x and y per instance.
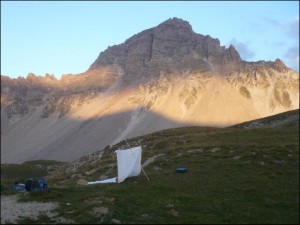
(133, 155)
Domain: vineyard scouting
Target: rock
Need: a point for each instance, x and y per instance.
(279, 66)
(237, 157)
(115, 221)
(103, 177)
(100, 210)
(278, 161)
(169, 205)
(82, 181)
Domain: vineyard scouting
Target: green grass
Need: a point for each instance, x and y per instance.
(235, 176)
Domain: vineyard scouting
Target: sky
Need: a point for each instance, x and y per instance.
(66, 37)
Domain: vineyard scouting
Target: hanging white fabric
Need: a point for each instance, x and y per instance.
(129, 163)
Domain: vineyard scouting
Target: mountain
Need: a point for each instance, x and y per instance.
(164, 77)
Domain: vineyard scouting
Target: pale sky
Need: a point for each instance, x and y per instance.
(58, 37)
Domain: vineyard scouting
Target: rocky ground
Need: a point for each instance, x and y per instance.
(12, 210)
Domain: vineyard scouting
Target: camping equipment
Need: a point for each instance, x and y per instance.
(181, 170)
(19, 185)
(36, 185)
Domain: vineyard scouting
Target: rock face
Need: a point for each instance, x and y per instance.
(163, 77)
(171, 47)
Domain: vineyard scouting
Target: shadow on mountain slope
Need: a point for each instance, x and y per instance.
(67, 139)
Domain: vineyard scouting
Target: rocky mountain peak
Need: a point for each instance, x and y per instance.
(234, 53)
(172, 46)
(175, 24)
(279, 65)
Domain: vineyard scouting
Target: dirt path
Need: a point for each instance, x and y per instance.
(11, 210)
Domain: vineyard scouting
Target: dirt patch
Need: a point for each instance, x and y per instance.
(12, 210)
(100, 211)
(151, 160)
(215, 150)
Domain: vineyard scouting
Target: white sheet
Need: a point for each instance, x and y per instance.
(110, 180)
(129, 163)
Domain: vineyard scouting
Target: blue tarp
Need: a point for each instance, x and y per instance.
(19, 187)
(181, 170)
